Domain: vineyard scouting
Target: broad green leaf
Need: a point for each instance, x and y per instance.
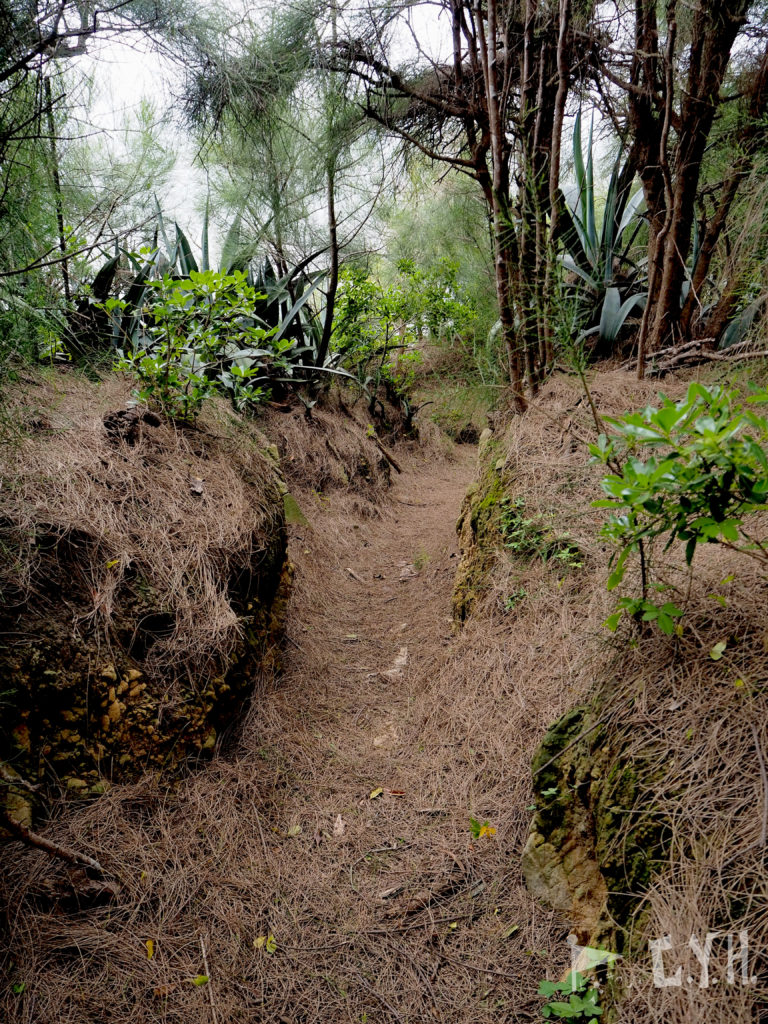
(547, 988)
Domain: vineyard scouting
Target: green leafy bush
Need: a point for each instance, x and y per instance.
(692, 471)
(198, 337)
(377, 327)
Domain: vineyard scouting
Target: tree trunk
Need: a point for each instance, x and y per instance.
(503, 228)
(333, 275)
(57, 188)
(747, 142)
(672, 206)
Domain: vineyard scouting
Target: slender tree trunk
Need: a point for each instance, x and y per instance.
(333, 226)
(57, 188)
(333, 275)
(748, 141)
(502, 223)
(671, 207)
(558, 116)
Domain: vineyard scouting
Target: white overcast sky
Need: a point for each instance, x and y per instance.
(127, 72)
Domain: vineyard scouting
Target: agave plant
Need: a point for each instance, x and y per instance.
(607, 285)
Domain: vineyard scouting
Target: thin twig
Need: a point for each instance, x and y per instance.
(764, 776)
(214, 1018)
(54, 849)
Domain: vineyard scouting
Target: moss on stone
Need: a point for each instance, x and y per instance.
(591, 813)
(480, 527)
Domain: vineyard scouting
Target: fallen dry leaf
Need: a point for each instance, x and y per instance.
(163, 991)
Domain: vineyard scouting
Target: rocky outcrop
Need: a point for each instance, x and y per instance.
(144, 583)
(480, 526)
(595, 840)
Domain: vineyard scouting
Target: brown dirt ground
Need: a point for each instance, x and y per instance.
(338, 822)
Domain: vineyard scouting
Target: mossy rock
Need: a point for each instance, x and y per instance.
(594, 842)
(480, 527)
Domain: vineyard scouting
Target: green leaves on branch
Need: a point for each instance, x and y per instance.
(198, 337)
(377, 326)
(690, 471)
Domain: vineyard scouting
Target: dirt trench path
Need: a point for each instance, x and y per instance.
(384, 906)
(372, 610)
(323, 870)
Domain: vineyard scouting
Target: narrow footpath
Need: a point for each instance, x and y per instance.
(384, 904)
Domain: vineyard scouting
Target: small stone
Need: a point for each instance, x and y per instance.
(136, 690)
(108, 672)
(115, 710)
(122, 688)
(18, 807)
(132, 675)
(77, 784)
(22, 739)
(105, 723)
(111, 695)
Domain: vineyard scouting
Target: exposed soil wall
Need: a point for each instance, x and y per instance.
(143, 572)
(635, 832)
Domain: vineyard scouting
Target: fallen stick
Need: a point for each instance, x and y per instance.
(39, 842)
(390, 458)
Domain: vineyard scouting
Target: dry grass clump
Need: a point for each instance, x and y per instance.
(697, 731)
(329, 449)
(177, 515)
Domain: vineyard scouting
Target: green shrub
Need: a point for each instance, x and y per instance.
(578, 999)
(693, 471)
(197, 338)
